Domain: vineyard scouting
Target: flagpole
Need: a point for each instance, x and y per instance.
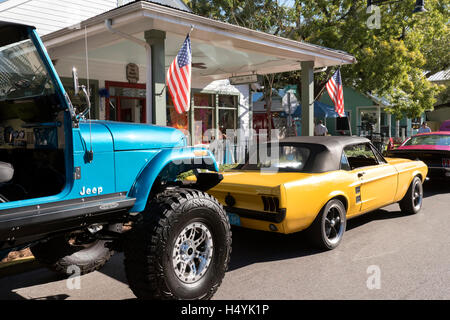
(321, 90)
(324, 86)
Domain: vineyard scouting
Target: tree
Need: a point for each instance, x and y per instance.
(393, 60)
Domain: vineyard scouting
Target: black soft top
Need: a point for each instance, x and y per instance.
(326, 151)
(12, 32)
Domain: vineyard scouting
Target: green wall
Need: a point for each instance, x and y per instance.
(352, 99)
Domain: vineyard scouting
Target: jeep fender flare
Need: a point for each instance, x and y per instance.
(168, 163)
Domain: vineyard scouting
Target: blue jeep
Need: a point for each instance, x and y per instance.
(76, 190)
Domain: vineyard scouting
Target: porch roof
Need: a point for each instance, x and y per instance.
(224, 49)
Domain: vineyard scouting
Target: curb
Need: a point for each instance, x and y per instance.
(18, 266)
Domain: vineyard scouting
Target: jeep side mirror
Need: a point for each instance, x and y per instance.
(76, 86)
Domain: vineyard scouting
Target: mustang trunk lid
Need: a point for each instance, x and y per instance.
(253, 190)
(254, 182)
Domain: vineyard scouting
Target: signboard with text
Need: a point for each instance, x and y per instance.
(251, 78)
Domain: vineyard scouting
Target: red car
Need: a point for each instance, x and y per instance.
(445, 126)
(433, 148)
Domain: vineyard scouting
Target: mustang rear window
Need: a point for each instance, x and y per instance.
(289, 158)
(432, 139)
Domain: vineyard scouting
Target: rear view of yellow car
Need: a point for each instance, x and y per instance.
(317, 183)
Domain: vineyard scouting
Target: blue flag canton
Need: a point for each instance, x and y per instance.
(337, 77)
(184, 56)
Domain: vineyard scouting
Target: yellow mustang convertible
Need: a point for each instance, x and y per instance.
(317, 183)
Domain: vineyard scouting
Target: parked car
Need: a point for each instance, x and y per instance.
(433, 148)
(317, 183)
(445, 126)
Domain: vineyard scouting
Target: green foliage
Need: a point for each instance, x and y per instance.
(392, 61)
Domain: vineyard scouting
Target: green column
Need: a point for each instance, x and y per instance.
(156, 40)
(307, 74)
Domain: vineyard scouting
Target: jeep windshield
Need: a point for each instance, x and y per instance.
(22, 72)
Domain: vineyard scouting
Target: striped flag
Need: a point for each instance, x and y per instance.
(336, 92)
(179, 78)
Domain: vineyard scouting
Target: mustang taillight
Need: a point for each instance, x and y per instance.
(446, 162)
(271, 203)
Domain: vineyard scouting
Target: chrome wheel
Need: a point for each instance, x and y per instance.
(334, 225)
(193, 252)
(417, 196)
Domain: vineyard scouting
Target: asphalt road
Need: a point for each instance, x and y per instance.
(384, 255)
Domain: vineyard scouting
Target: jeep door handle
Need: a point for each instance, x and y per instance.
(360, 174)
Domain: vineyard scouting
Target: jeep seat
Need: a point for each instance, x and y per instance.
(6, 172)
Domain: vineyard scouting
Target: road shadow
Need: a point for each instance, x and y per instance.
(115, 268)
(253, 246)
(380, 214)
(11, 283)
(435, 187)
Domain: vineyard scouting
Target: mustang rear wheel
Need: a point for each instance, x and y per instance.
(412, 201)
(328, 228)
(181, 247)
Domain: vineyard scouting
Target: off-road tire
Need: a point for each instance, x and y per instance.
(149, 246)
(58, 255)
(408, 204)
(317, 233)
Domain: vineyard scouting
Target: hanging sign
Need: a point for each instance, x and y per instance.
(132, 73)
(250, 78)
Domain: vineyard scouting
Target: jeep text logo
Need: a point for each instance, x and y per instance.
(94, 190)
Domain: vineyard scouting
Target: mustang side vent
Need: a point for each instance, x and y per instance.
(271, 203)
(358, 194)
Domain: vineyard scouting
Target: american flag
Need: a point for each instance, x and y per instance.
(179, 78)
(336, 92)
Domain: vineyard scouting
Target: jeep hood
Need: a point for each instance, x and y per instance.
(137, 136)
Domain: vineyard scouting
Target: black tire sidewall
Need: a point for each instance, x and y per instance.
(326, 243)
(215, 270)
(416, 181)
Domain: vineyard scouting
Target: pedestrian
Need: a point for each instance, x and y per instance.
(320, 129)
(424, 128)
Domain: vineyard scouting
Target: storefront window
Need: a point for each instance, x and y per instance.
(205, 109)
(204, 100)
(228, 105)
(126, 102)
(174, 119)
(204, 104)
(228, 101)
(203, 121)
(112, 107)
(227, 119)
(127, 92)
